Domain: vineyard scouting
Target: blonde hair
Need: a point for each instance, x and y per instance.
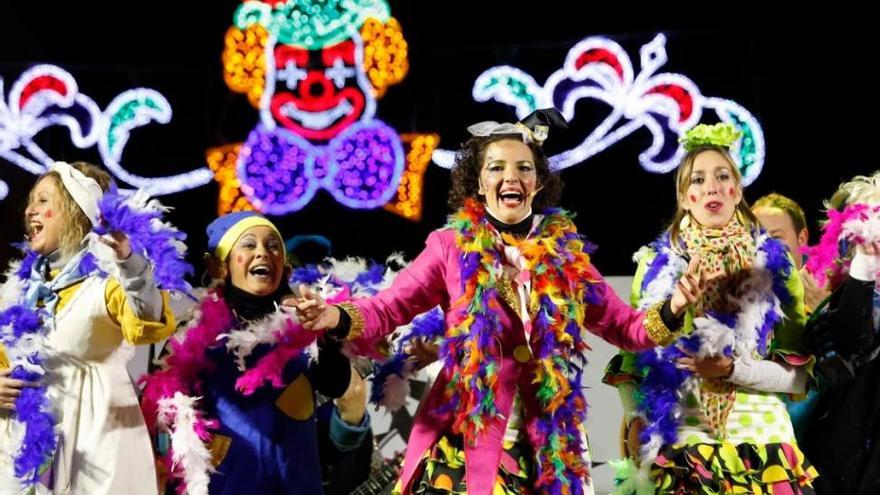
(683, 181)
(76, 224)
(861, 189)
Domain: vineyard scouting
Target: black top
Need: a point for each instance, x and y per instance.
(841, 437)
(519, 229)
(249, 307)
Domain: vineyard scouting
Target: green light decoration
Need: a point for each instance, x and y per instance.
(312, 24)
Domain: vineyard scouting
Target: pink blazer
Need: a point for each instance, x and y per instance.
(432, 279)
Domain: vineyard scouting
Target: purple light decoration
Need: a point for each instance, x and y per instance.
(280, 171)
(276, 170)
(365, 165)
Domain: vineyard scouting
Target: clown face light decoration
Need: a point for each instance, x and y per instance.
(315, 69)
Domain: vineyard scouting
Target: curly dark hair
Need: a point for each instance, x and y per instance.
(469, 163)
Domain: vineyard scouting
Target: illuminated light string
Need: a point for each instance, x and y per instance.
(222, 161)
(385, 53)
(358, 178)
(326, 123)
(244, 61)
(132, 109)
(47, 95)
(44, 96)
(312, 24)
(408, 201)
(597, 68)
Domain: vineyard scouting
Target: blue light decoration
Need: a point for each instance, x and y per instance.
(597, 68)
(47, 95)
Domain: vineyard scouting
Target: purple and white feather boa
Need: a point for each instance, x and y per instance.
(32, 438)
(24, 329)
(390, 385)
(141, 219)
(746, 333)
(361, 277)
(391, 382)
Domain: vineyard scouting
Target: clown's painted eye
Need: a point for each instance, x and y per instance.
(339, 72)
(290, 65)
(291, 74)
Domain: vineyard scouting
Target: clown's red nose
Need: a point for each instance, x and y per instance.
(315, 86)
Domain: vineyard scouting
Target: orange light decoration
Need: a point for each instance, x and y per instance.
(222, 160)
(385, 53)
(408, 200)
(244, 61)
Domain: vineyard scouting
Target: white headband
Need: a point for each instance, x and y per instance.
(492, 128)
(85, 191)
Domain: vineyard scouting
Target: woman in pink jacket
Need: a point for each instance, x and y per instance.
(507, 413)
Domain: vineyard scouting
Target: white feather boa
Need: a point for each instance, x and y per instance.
(178, 416)
(663, 285)
(13, 288)
(242, 342)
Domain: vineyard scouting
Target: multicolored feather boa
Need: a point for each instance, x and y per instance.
(558, 261)
(858, 223)
(23, 329)
(761, 297)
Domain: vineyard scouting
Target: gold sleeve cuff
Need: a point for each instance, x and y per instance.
(357, 320)
(657, 330)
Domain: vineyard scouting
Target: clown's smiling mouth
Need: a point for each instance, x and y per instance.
(317, 120)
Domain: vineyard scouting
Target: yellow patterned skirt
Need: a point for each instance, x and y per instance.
(442, 470)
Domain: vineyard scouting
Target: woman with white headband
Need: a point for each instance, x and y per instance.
(69, 318)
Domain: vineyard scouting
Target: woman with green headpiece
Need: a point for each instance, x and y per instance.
(703, 414)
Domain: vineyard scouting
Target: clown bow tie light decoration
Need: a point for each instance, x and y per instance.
(597, 68)
(361, 167)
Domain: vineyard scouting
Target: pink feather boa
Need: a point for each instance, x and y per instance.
(853, 224)
(188, 361)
